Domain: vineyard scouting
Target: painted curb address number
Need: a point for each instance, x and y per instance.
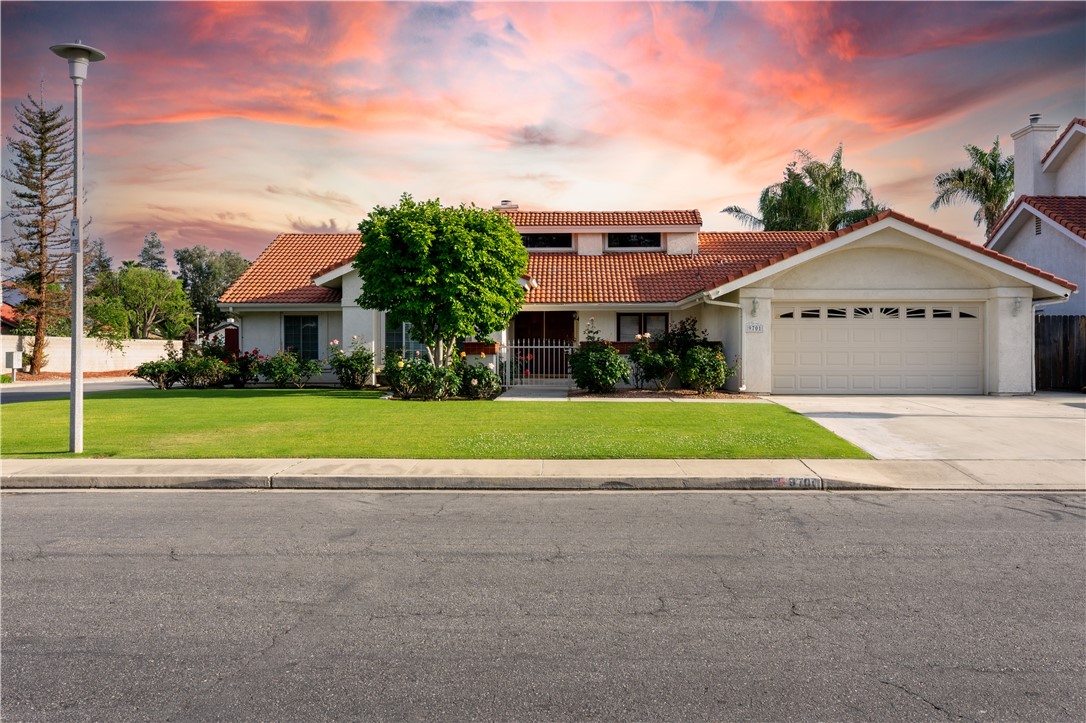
(804, 483)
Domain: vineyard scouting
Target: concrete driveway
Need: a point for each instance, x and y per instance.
(1046, 426)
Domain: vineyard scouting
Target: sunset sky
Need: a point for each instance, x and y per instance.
(225, 124)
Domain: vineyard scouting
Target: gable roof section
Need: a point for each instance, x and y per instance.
(1068, 212)
(283, 273)
(1076, 125)
(894, 215)
(582, 219)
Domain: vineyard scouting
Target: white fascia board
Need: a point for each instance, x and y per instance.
(336, 273)
(1049, 288)
(272, 308)
(689, 228)
(601, 306)
(1066, 145)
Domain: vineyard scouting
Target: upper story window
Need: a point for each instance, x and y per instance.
(547, 240)
(638, 240)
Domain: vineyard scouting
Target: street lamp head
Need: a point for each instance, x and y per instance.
(79, 56)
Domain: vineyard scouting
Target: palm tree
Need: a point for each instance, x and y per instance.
(987, 182)
(814, 196)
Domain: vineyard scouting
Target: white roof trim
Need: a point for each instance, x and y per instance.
(336, 273)
(1048, 288)
(1067, 144)
(1018, 219)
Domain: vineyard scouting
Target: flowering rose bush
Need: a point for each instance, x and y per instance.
(243, 368)
(352, 367)
(479, 382)
(658, 365)
(416, 378)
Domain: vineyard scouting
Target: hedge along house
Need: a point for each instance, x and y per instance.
(887, 306)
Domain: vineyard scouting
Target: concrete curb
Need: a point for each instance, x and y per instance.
(542, 475)
(313, 482)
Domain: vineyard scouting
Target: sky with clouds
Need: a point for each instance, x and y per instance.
(225, 124)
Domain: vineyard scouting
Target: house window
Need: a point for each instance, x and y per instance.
(398, 338)
(300, 336)
(633, 240)
(630, 325)
(547, 240)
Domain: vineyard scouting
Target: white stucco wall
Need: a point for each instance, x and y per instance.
(263, 331)
(97, 357)
(1056, 252)
(1071, 173)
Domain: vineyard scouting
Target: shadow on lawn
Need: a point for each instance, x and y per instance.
(249, 393)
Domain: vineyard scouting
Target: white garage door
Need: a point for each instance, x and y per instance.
(878, 348)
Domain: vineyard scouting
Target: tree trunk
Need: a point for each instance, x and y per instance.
(39, 345)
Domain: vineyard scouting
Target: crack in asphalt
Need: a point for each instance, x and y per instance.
(949, 714)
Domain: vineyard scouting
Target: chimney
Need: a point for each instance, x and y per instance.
(1030, 145)
(506, 205)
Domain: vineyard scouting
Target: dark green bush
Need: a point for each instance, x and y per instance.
(196, 371)
(284, 369)
(596, 366)
(161, 373)
(416, 378)
(704, 369)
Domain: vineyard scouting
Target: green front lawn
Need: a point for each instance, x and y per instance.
(184, 423)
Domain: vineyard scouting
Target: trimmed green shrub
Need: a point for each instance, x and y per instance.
(596, 366)
(704, 369)
(161, 373)
(353, 367)
(284, 369)
(416, 378)
(196, 371)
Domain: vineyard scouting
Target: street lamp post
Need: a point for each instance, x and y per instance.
(79, 58)
(198, 328)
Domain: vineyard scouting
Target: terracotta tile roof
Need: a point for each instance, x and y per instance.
(1067, 211)
(282, 273)
(9, 315)
(1070, 126)
(603, 218)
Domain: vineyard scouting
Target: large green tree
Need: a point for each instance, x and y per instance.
(141, 301)
(988, 182)
(205, 275)
(451, 272)
(39, 181)
(813, 196)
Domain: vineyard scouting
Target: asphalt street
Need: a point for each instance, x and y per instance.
(239, 605)
(40, 391)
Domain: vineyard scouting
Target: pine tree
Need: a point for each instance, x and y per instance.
(153, 255)
(40, 200)
(96, 262)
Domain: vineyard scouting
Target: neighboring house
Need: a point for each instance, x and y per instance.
(9, 318)
(887, 306)
(1046, 224)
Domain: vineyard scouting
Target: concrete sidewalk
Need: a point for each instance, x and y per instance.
(622, 474)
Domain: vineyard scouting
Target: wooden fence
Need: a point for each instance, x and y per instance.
(1061, 352)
